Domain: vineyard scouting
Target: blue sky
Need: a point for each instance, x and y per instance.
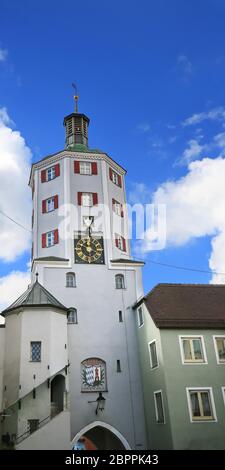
(143, 69)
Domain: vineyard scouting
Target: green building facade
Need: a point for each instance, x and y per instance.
(181, 333)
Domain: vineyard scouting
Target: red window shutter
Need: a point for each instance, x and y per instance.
(79, 199)
(120, 181)
(113, 203)
(76, 167)
(56, 236)
(56, 201)
(124, 244)
(43, 176)
(116, 241)
(44, 206)
(110, 174)
(95, 199)
(43, 241)
(57, 169)
(94, 168)
(121, 210)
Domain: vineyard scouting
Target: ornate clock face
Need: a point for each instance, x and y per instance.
(89, 250)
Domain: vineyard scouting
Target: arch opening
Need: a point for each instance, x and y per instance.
(99, 436)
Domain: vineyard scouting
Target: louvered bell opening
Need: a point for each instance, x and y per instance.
(78, 126)
(85, 129)
(69, 127)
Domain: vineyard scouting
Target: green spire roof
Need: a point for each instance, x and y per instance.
(35, 296)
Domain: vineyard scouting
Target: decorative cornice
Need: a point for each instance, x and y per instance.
(51, 159)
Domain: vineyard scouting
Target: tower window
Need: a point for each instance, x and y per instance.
(120, 242)
(115, 178)
(120, 316)
(70, 280)
(118, 365)
(140, 317)
(35, 351)
(159, 408)
(87, 199)
(85, 168)
(50, 173)
(50, 238)
(117, 208)
(72, 316)
(119, 278)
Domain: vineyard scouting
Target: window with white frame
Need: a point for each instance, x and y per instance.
(50, 238)
(35, 351)
(220, 348)
(50, 204)
(192, 349)
(201, 404)
(159, 408)
(119, 278)
(117, 207)
(50, 173)
(115, 178)
(223, 393)
(140, 317)
(85, 168)
(153, 355)
(87, 199)
(119, 242)
(72, 316)
(70, 280)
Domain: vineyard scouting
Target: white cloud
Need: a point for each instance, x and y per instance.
(15, 200)
(185, 65)
(144, 127)
(3, 54)
(11, 287)
(219, 140)
(192, 152)
(195, 208)
(215, 114)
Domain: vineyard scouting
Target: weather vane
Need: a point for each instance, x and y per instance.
(76, 97)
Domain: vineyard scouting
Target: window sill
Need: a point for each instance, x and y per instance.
(35, 361)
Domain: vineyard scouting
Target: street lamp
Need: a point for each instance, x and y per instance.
(100, 403)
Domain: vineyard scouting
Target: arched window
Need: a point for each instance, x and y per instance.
(119, 278)
(72, 316)
(70, 280)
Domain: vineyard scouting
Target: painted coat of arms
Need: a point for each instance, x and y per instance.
(93, 375)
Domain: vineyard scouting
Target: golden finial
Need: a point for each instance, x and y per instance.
(76, 97)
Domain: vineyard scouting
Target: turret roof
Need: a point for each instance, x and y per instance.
(35, 296)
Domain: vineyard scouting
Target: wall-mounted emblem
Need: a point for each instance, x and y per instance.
(93, 375)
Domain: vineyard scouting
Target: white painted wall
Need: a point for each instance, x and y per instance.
(98, 332)
(2, 355)
(53, 436)
(13, 324)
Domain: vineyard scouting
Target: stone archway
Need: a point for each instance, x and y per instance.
(57, 394)
(100, 436)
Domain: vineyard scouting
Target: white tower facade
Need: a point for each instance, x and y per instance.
(81, 252)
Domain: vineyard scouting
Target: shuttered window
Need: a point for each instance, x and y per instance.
(51, 173)
(115, 177)
(85, 168)
(50, 238)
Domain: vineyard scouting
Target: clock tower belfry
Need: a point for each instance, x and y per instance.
(81, 252)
